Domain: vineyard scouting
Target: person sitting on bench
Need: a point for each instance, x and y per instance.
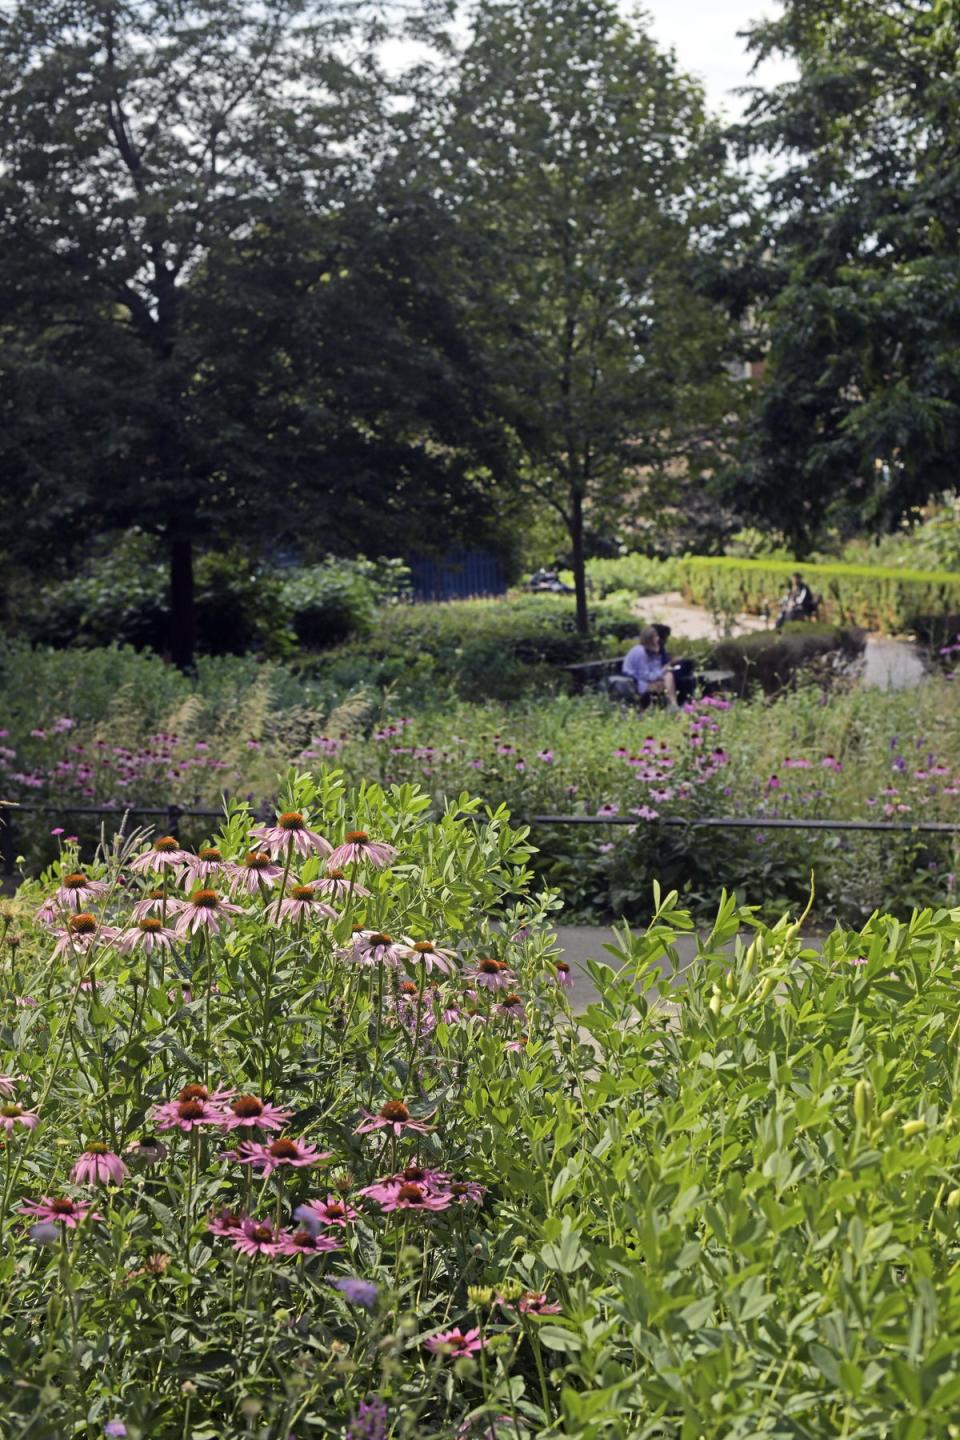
(799, 604)
(683, 670)
(646, 668)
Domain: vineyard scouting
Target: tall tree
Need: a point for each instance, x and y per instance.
(153, 152)
(859, 415)
(592, 197)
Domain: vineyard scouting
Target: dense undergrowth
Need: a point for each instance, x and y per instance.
(270, 1173)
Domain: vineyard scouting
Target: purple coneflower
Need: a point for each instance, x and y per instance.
(203, 911)
(8, 1084)
(163, 854)
(425, 953)
(148, 1149)
(305, 1242)
(357, 847)
(303, 903)
(437, 1181)
(225, 1222)
(291, 835)
(258, 1237)
(69, 1213)
(563, 973)
(13, 1115)
(337, 883)
(198, 869)
(98, 1165)
(268, 1158)
(456, 1342)
(415, 1197)
(491, 974)
(332, 1211)
(75, 890)
(395, 1116)
(250, 1110)
(356, 1291)
(460, 1191)
(81, 932)
(375, 947)
(153, 900)
(534, 1302)
(148, 934)
(187, 1115)
(511, 1006)
(255, 871)
(517, 1047)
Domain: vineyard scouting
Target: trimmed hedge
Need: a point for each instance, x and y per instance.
(772, 658)
(869, 595)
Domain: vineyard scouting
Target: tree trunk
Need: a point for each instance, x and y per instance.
(181, 602)
(579, 563)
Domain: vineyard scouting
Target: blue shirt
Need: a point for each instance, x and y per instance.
(643, 668)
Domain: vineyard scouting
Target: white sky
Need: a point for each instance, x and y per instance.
(703, 33)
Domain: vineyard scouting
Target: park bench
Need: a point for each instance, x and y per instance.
(588, 674)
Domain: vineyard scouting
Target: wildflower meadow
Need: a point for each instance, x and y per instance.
(310, 1132)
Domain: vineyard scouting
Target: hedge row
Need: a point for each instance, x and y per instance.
(867, 595)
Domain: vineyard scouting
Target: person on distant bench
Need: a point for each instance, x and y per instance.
(799, 604)
(646, 667)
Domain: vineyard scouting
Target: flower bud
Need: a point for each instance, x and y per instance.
(888, 1115)
(510, 1290)
(913, 1127)
(479, 1294)
(862, 1101)
(953, 1200)
(716, 1001)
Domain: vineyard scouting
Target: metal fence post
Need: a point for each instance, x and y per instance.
(173, 821)
(8, 849)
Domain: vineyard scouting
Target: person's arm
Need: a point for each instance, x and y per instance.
(638, 666)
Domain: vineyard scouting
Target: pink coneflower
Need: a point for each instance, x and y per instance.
(563, 973)
(394, 1116)
(305, 1242)
(358, 847)
(164, 854)
(414, 1197)
(225, 1222)
(336, 882)
(81, 932)
(492, 974)
(375, 947)
(455, 1343)
(98, 1165)
(13, 1115)
(511, 1004)
(437, 1181)
(534, 1302)
(460, 1191)
(291, 835)
(149, 934)
(256, 870)
(427, 954)
(196, 1091)
(203, 911)
(517, 1047)
(66, 1212)
(258, 1237)
(303, 903)
(198, 869)
(250, 1110)
(333, 1211)
(268, 1158)
(187, 1115)
(75, 890)
(8, 1084)
(153, 900)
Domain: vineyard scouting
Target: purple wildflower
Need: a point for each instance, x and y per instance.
(370, 1421)
(356, 1291)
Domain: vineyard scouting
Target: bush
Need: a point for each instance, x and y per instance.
(866, 595)
(773, 659)
(428, 1202)
(630, 575)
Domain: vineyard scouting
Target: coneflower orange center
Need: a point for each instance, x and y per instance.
(257, 860)
(194, 1092)
(304, 1239)
(190, 1109)
(407, 987)
(336, 1211)
(357, 837)
(209, 852)
(63, 1207)
(10, 1112)
(165, 844)
(74, 882)
(424, 947)
(262, 1233)
(291, 820)
(410, 1192)
(284, 1149)
(83, 924)
(394, 1110)
(491, 967)
(511, 999)
(335, 874)
(151, 925)
(413, 1174)
(301, 892)
(156, 894)
(246, 1107)
(97, 1147)
(205, 899)
(379, 938)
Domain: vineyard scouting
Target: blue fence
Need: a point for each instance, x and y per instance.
(457, 576)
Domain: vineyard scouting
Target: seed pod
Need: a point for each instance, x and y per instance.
(716, 1001)
(767, 987)
(888, 1115)
(913, 1127)
(953, 1200)
(862, 1101)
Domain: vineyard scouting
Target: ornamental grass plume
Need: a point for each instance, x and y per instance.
(358, 848)
(454, 1343)
(291, 836)
(203, 911)
(13, 1115)
(98, 1165)
(392, 1115)
(163, 854)
(60, 1210)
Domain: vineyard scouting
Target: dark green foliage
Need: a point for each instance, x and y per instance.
(773, 659)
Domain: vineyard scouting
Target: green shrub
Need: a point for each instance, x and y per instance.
(630, 575)
(867, 595)
(772, 659)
